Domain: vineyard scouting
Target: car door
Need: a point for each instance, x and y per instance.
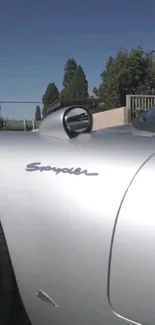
(132, 268)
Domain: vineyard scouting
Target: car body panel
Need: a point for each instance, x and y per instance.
(132, 291)
(121, 129)
(59, 227)
(144, 124)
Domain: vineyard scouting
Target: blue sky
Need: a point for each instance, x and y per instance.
(37, 37)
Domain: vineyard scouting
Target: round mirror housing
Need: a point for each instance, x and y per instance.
(77, 120)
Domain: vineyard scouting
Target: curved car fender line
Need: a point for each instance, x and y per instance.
(113, 235)
(14, 200)
(51, 293)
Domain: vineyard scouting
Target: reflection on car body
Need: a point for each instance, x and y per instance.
(85, 244)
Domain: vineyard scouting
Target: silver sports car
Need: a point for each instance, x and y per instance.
(77, 224)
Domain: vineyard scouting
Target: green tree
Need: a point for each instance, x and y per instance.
(50, 95)
(38, 113)
(127, 73)
(96, 92)
(78, 87)
(1, 123)
(69, 71)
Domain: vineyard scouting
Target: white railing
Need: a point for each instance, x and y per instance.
(143, 102)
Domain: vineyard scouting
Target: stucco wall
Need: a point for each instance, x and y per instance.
(114, 117)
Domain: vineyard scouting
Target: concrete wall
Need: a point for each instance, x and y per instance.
(114, 117)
